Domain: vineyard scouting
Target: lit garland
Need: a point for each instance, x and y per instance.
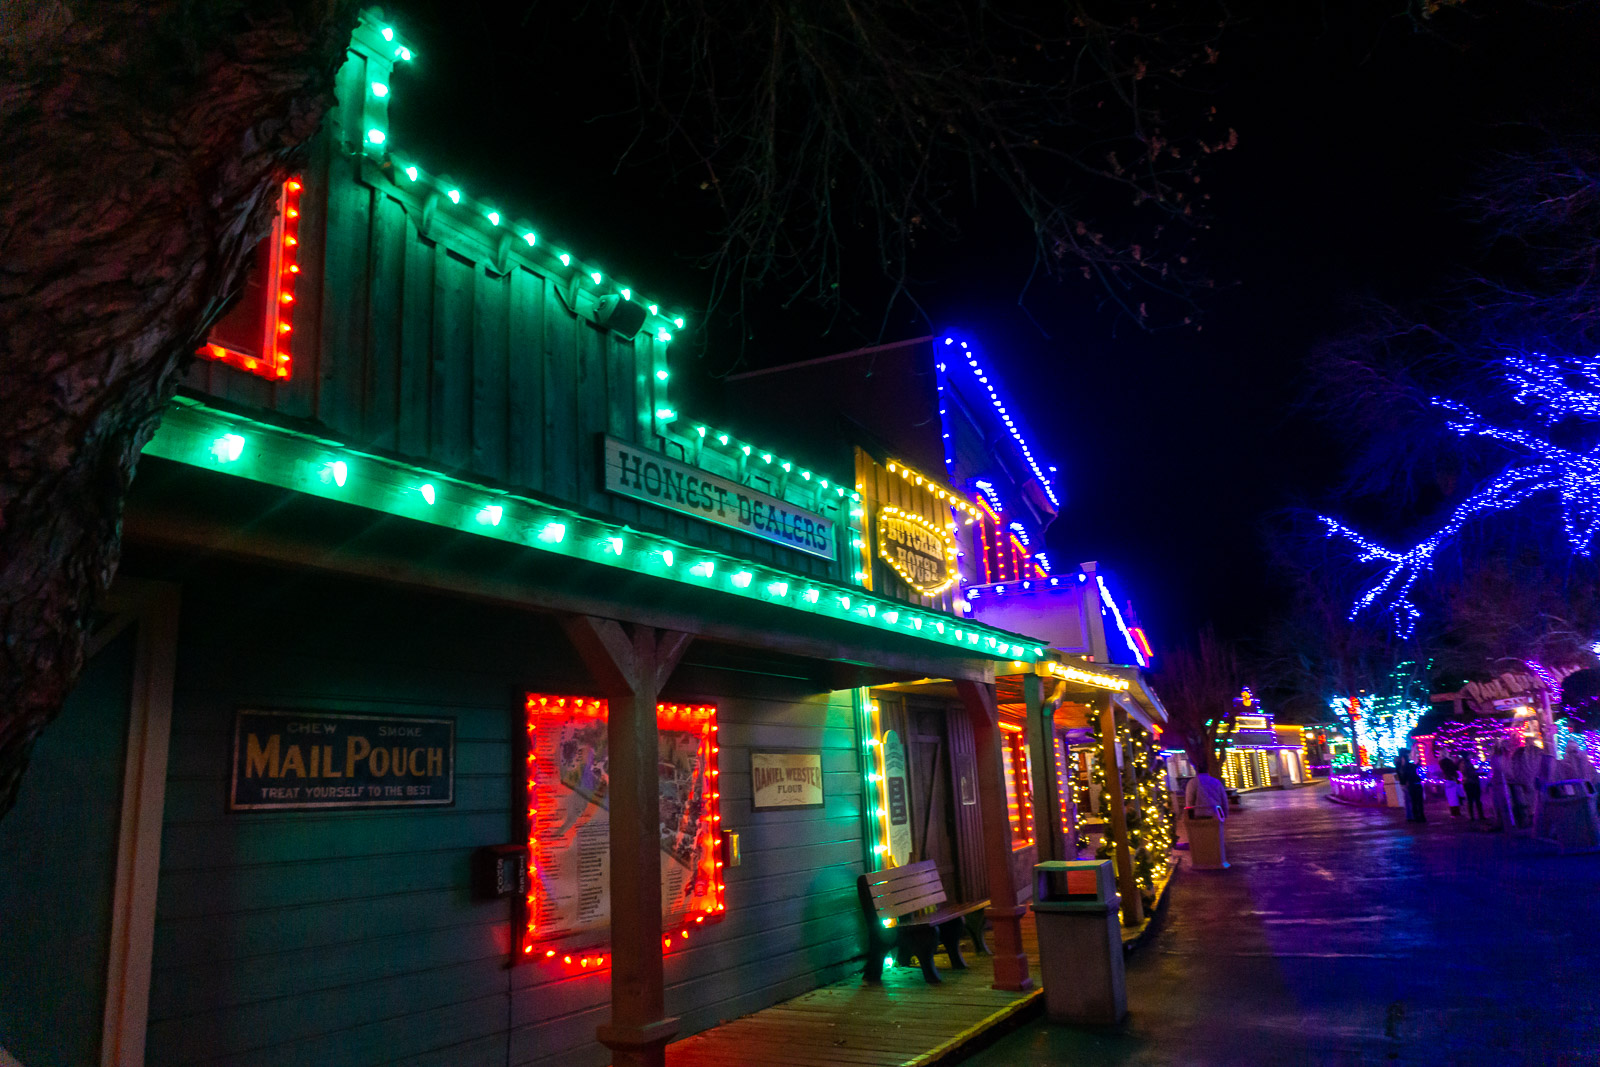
(943, 492)
(1065, 781)
(1152, 842)
(1147, 810)
(1095, 787)
(1545, 386)
(1054, 583)
(193, 434)
(1069, 672)
(527, 243)
(877, 777)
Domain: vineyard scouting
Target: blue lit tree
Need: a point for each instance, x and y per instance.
(1551, 390)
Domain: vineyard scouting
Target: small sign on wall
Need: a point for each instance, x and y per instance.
(897, 787)
(297, 760)
(785, 780)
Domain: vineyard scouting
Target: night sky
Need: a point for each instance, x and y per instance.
(1358, 134)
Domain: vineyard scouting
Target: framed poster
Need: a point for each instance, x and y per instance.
(786, 779)
(569, 817)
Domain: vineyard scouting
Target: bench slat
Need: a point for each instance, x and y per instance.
(954, 911)
(911, 900)
(909, 870)
(889, 889)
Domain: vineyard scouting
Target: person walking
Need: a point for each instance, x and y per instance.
(1472, 784)
(1205, 809)
(1205, 794)
(1522, 769)
(1450, 771)
(1409, 778)
(1402, 778)
(1500, 786)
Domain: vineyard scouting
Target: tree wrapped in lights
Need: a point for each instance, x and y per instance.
(1146, 808)
(1384, 721)
(1152, 836)
(1552, 390)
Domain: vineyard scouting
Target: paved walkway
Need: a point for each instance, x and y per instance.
(1345, 936)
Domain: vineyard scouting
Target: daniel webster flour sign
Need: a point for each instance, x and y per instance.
(785, 780)
(651, 477)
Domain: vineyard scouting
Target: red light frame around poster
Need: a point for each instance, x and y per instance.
(274, 362)
(542, 705)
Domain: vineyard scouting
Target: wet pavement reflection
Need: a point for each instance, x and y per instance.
(1346, 936)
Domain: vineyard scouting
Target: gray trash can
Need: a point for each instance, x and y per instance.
(1567, 816)
(1075, 906)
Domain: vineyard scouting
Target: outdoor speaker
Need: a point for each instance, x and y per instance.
(623, 316)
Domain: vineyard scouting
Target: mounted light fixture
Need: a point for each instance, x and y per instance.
(619, 315)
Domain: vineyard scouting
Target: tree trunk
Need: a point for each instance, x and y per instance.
(144, 142)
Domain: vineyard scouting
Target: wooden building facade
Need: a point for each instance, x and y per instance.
(440, 635)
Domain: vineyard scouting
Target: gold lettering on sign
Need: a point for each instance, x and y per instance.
(260, 761)
(921, 553)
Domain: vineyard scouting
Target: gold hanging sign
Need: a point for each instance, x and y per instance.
(921, 553)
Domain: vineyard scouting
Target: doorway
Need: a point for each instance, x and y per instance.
(941, 772)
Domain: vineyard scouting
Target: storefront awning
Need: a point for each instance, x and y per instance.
(572, 556)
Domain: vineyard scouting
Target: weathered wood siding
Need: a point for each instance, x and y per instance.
(352, 938)
(423, 332)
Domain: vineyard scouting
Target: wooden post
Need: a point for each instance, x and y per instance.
(1042, 755)
(631, 668)
(1132, 903)
(1005, 914)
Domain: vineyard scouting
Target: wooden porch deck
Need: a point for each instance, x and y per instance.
(903, 1022)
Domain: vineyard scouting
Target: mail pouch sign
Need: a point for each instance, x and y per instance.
(294, 760)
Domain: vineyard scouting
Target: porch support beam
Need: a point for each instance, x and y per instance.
(1041, 701)
(1132, 903)
(1005, 914)
(631, 666)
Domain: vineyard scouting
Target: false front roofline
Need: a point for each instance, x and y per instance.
(437, 196)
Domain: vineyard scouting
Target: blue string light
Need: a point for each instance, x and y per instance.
(1005, 416)
(987, 489)
(1552, 388)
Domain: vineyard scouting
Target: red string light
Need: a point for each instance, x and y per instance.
(1021, 808)
(273, 361)
(668, 716)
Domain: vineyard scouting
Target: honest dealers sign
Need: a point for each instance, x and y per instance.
(285, 760)
(651, 477)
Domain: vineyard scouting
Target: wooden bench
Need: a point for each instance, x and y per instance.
(907, 911)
